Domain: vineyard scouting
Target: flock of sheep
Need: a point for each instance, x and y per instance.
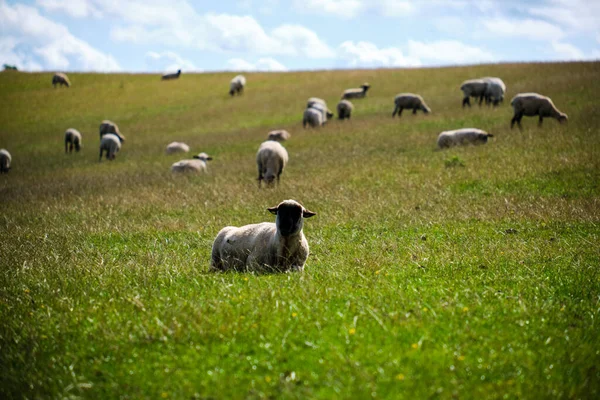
(282, 246)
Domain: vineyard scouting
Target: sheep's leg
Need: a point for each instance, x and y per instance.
(467, 101)
(100, 159)
(66, 144)
(481, 100)
(540, 121)
(395, 111)
(400, 111)
(415, 111)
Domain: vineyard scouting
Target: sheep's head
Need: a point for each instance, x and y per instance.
(203, 156)
(278, 136)
(290, 217)
(562, 117)
(425, 109)
(329, 114)
(365, 86)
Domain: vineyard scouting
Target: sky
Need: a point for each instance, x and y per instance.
(281, 35)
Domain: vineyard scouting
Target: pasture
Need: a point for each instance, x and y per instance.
(471, 272)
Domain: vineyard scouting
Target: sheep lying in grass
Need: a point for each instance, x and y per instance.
(110, 127)
(264, 247)
(462, 137)
(280, 135)
(409, 101)
(167, 77)
(237, 85)
(532, 104)
(495, 90)
(357, 93)
(60, 79)
(177, 147)
(111, 144)
(344, 109)
(473, 88)
(5, 160)
(313, 118)
(72, 139)
(197, 164)
(271, 159)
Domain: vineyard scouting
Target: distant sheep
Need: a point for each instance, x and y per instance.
(313, 118)
(111, 144)
(473, 88)
(5, 160)
(409, 101)
(495, 90)
(322, 108)
(357, 93)
(197, 164)
(271, 159)
(72, 139)
(344, 109)
(265, 247)
(110, 127)
(167, 77)
(532, 104)
(60, 79)
(177, 147)
(237, 85)
(280, 135)
(462, 137)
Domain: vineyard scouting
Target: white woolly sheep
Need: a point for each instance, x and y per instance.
(462, 137)
(344, 109)
(264, 247)
(409, 101)
(356, 93)
(473, 88)
(532, 104)
(72, 139)
(321, 105)
(494, 93)
(313, 118)
(167, 77)
(110, 143)
(237, 85)
(110, 127)
(177, 147)
(60, 79)
(5, 160)
(271, 159)
(280, 135)
(197, 164)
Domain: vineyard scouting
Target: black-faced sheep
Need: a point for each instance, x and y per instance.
(494, 93)
(110, 127)
(60, 79)
(344, 109)
(532, 104)
(72, 139)
(5, 160)
(280, 135)
(177, 147)
(473, 88)
(197, 164)
(167, 77)
(111, 144)
(237, 85)
(356, 93)
(462, 137)
(409, 101)
(271, 159)
(312, 117)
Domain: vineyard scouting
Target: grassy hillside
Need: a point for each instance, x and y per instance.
(470, 272)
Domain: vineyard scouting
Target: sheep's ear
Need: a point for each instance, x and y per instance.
(307, 213)
(208, 158)
(273, 210)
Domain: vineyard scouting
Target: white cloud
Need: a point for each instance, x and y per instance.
(353, 8)
(168, 61)
(302, 41)
(263, 64)
(366, 54)
(567, 51)
(74, 8)
(448, 52)
(524, 29)
(575, 15)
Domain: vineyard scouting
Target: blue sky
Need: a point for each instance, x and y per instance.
(278, 35)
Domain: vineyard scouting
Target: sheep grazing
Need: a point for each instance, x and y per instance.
(462, 137)
(72, 139)
(197, 164)
(321, 105)
(237, 85)
(532, 104)
(60, 79)
(280, 135)
(495, 90)
(271, 159)
(409, 101)
(167, 77)
(264, 247)
(177, 147)
(110, 127)
(473, 88)
(357, 93)
(110, 143)
(313, 118)
(344, 109)
(5, 160)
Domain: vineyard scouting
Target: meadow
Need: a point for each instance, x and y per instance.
(467, 273)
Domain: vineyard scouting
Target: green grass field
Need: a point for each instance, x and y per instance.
(466, 273)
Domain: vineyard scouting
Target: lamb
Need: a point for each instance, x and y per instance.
(279, 135)
(237, 85)
(264, 247)
(271, 159)
(532, 104)
(72, 139)
(167, 77)
(312, 117)
(111, 143)
(5, 160)
(60, 79)
(462, 137)
(409, 101)
(177, 147)
(110, 127)
(356, 93)
(344, 109)
(197, 164)
(473, 88)
(495, 90)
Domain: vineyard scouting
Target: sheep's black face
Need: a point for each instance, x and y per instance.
(290, 217)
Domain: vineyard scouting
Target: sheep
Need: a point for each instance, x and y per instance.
(110, 127)
(357, 93)
(532, 104)
(177, 147)
(473, 88)
(110, 143)
(5, 160)
(462, 137)
(264, 247)
(409, 101)
(60, 79)
(237, 85)
(197, 164)
(271, 159)
(280, 135)
(495, 90)
(344, 109)
(312, 117)
(167, 77)
(72, 139)
(321, 105)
